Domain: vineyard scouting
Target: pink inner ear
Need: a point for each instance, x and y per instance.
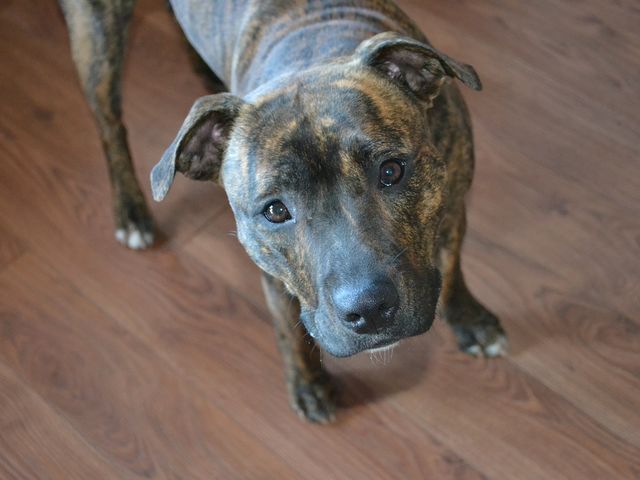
(393, 70)
(217, 133)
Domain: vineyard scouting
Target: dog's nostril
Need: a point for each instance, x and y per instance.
(353, 317)
(356, 322)
(359, 324)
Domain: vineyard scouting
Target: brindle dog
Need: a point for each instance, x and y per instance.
(345, 151)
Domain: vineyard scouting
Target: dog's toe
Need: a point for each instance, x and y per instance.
(474, 350)
(489, 343)
(314, 402)
(497, 347)
(134, 237)
(483, 338)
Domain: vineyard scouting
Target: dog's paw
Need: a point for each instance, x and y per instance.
(134, 224)
(496, 347)
(313, 401)
(135, 238)
(485, 337)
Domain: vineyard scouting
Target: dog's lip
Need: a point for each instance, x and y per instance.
(383, 348)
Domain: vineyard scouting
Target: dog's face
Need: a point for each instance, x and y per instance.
(337, 192)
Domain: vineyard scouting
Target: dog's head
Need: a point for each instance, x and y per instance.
(335, 186)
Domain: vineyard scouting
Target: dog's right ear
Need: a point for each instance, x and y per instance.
(416, 65)
(199, 147)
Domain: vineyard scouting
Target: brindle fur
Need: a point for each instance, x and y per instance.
(319, 97)
(309, 386)
(98, 31)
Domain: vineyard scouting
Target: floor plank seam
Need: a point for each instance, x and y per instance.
(190, 380)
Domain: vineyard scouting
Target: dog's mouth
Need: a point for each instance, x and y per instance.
(343, 343)
(384, 354)
(373, 328)
(386, 346)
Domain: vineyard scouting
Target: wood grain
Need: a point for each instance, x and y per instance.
(37, 442)
(114, 389)
(10, 247)
(162, 364)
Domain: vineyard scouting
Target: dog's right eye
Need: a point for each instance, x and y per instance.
(391, 172)
(276, 212)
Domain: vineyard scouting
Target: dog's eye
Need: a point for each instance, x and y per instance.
(391, 172)
(276, 212)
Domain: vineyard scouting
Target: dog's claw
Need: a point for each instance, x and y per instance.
(498, 348)
(134, 238)
(313, 402)
(474, 350)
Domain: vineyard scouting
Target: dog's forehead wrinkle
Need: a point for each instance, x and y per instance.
(299, 161)
(307, 116)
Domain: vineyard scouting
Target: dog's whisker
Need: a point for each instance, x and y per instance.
(398, 255)
(383, 355)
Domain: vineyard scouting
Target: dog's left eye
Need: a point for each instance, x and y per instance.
(276, 212)
(391, 172)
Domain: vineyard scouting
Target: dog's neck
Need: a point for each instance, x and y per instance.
(250, 42)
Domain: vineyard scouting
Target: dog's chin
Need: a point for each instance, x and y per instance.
(342, 350)
(348, 344)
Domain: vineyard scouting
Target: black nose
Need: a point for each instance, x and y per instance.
(367, 307)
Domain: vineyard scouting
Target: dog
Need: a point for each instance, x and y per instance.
(345, 149)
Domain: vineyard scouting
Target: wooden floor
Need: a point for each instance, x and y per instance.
(162, 364)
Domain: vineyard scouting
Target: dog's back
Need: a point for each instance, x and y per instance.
(249, 42)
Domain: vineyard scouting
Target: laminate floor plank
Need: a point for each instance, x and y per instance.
(36, 442)
(10, 247)
(125, 401)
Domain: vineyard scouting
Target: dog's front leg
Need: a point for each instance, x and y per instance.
(308, 384)
(477, 330)
(98, 30)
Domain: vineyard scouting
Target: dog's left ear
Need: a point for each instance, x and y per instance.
(416, 65)
(199, 147)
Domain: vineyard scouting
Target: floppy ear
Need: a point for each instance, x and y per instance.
(414, 64)
(199, 147)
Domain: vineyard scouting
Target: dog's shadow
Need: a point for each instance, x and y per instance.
(362, 380)
(366, 379)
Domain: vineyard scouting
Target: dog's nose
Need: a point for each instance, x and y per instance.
(368, 307)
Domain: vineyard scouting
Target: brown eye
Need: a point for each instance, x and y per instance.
(276, 212)
(391, 172)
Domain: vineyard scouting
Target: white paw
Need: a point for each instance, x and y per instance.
(497, 348)
(483, 339)
(474, 350)
(133, 238)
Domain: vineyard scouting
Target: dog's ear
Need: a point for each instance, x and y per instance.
(416, 65)
(199, 147)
